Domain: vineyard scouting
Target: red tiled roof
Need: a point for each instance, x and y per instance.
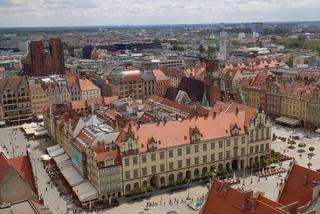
(132, 75)
(109, 100)
(223, 199)
(21, 165)
(78, 104)
(299, 186)
(112, 114)
(177, 132)
(170, 103)
(87, 85)
(250, 111)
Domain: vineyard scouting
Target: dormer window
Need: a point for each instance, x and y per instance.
(109, 161)
(235, 130)
(195, 135)
(152, 144)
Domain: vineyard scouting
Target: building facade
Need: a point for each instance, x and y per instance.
(125, 84)
(188, 149)
(38, 98)
(15, 100)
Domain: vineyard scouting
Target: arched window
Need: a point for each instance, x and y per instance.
(136, 185)
(180, 176)
(196, 173)
(128, 188)
(163, 180)
(204, 170)
(171, 178)
(213, 168)
(145, 184)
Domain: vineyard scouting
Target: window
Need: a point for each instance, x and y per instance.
(262, 133)
(170, 153)
(135, 173)
(251, 136)
(220, 144)
(204, 159)
(154, 169)
(267, 146)
(268, 133)
(220, 156)
(212, 145)
(127, 175)
(196, 160)
(257, 148)
(126, 161)
(262, 147)
(135, 160)
(213, 158)
(257, 134)
(228, 154)
(196, 148)
(188, 150)
(243, 151)
(153, 156)
(162, 167)
(243, 140)
(171, 166)
(228, 142)
(188, 162)
(161, 155)
(235, 140)
(251, 149)
(180, 164)
(204, 147)
(179, 151)
(144, 171)
(144, 158)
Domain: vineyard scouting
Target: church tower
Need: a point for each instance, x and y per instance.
(212, 79)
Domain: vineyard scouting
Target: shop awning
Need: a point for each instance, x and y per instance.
(288, 121)
(60, 158)
(54, 151)
(41, 133)
(72, 176)
(85, 192)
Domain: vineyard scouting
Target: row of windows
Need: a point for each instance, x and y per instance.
(180, 150)
(196, 161)
(260, 134)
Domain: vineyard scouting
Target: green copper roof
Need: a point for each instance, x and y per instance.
(212, 53)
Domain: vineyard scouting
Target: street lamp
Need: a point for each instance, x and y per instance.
(188, 197)
(309, 157)
(280, 165)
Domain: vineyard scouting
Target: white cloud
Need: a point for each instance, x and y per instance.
(114, 12)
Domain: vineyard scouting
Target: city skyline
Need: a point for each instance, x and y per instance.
(23, 13)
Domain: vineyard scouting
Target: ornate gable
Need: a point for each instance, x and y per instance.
(152, 144)
(235, 129)
(195, 135)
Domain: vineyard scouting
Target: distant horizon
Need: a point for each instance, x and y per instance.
(158, 25)
(61, 13)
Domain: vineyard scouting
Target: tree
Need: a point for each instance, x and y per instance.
(311, 148)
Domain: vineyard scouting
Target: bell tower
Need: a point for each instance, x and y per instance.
(212, 79)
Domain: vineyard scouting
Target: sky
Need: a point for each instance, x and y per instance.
(46, 13)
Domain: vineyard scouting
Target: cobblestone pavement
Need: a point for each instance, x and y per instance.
(15, 145)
